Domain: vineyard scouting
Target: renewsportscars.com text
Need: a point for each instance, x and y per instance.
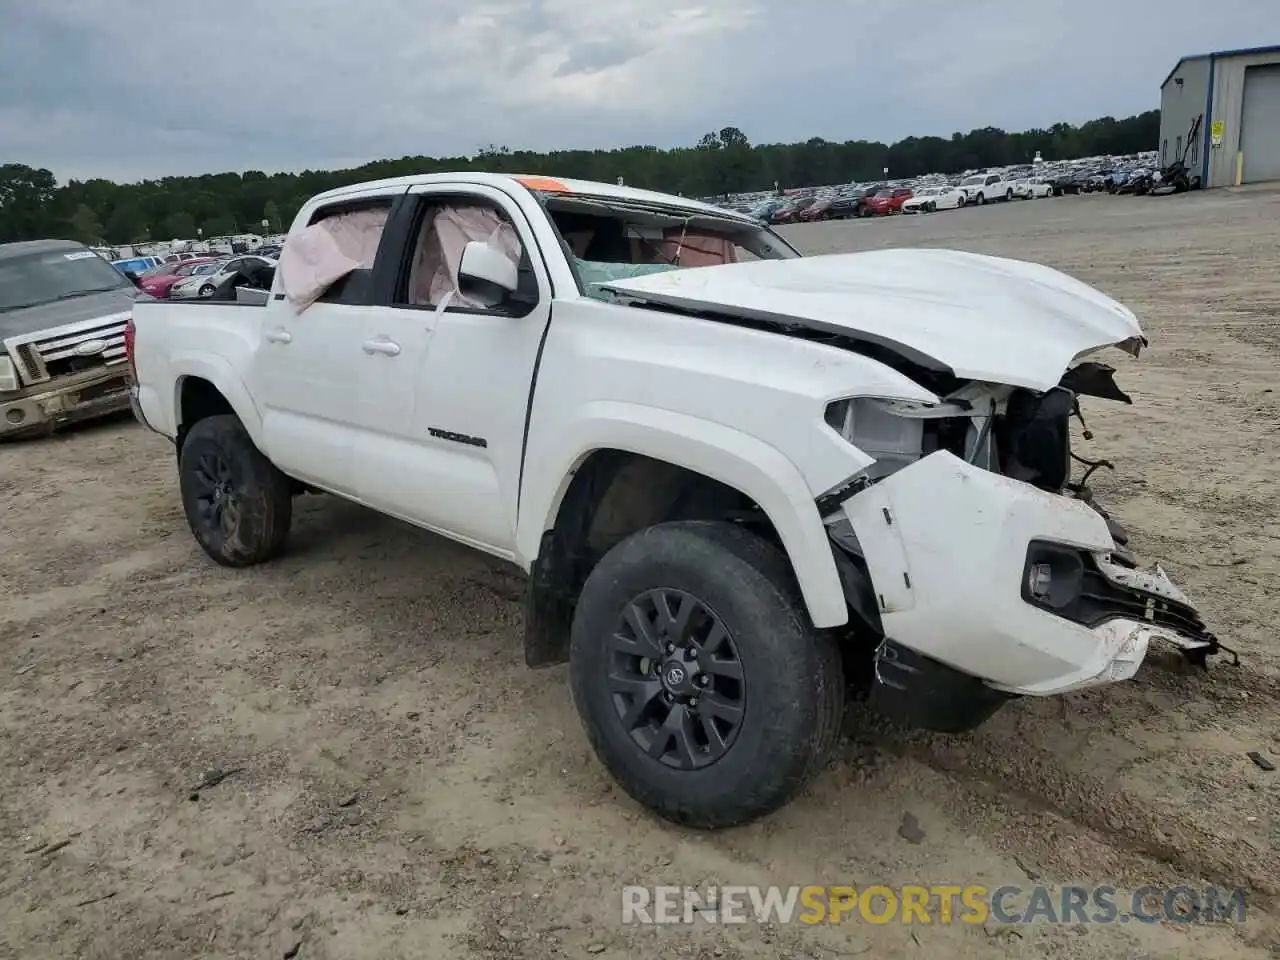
(934, 904)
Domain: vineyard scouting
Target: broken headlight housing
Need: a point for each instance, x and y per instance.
(889, 430)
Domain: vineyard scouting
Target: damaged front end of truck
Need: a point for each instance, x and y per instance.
(976, 563)
(983, 569)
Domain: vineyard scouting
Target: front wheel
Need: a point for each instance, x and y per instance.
(982, 199)
(701, 684)
(206, 290)
(931, 207)
(1008, 195)
(238, 505)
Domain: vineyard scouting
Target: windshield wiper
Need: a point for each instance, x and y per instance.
(62, 296)
(88, 293)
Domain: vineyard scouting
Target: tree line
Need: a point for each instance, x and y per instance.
(32, 205)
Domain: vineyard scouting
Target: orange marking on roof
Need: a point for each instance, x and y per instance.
(545, 184)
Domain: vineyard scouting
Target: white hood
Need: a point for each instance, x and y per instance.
(983, 318)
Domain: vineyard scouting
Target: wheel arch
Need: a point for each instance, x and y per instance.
(206, 386)
(634, 468)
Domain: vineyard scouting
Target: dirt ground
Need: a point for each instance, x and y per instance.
(402, 787)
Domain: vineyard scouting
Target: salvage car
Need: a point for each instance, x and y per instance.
(792, 211)
(931, 199)
(885, 202)
(62, 317)
(158, 281)
(983, 187)
(1032, 188)
(206, 279)
(741, 481)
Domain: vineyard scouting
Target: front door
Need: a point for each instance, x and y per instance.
(445, 383)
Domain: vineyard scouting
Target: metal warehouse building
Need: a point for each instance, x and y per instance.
(1237, 95)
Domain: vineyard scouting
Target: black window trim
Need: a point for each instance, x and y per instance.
(349, 293)
(396, 268)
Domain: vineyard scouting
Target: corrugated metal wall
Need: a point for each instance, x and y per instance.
(1228, 105)
(1179, 106)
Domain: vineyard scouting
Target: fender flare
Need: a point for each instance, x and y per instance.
(732, 457)
(226, 380)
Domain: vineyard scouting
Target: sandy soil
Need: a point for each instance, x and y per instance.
(401, 786)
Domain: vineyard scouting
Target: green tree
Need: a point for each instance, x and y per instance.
(32, 205)
(271, 214)
(125, 224)
(25, 195)
(180, 226)
(85, 225)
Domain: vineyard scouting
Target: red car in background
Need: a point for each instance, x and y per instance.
(791, 212)
(886, 201)
(818, 210)
(158, 280)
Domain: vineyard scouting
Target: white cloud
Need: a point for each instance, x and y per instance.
(150, 87)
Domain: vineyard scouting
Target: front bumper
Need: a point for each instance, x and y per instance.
(947, 546)
(66, 400)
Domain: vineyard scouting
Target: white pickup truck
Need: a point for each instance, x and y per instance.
(983, 187)
(742, 482)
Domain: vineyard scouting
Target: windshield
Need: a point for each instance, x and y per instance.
(37, 278)
(928, 191)
(612, 239)
(885, 193)
(973, 180)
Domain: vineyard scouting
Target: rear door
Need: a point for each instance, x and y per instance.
(307, 368)
(445, 385)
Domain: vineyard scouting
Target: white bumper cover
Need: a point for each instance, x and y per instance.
(946, 544)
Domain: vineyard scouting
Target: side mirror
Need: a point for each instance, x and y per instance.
(486, 273)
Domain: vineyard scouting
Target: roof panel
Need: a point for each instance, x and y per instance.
(1218, 55)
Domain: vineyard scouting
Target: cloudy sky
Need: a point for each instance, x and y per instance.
(129, 89)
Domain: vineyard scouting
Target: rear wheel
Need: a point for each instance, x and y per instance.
(238, 505)
(702, 685)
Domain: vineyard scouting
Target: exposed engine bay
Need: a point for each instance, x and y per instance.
(1026, 436)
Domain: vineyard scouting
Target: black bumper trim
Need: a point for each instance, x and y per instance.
(917, 691)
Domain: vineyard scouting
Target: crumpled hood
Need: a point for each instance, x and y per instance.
(982, 318)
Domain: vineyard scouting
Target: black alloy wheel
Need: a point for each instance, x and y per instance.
(215, 494)
(676, 679)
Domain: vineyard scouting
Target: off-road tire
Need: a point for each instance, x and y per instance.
(793, 691)
(262, 495)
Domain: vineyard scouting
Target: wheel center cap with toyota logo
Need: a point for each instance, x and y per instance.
(677, 677)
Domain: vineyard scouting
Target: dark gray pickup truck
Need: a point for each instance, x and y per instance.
(62, 315)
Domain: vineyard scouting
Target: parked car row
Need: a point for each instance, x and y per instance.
(197, 277)
(880, 200)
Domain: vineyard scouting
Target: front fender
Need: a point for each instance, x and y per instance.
(722, 453)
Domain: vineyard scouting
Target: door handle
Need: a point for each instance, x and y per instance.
(382, 345)
(279, 336)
